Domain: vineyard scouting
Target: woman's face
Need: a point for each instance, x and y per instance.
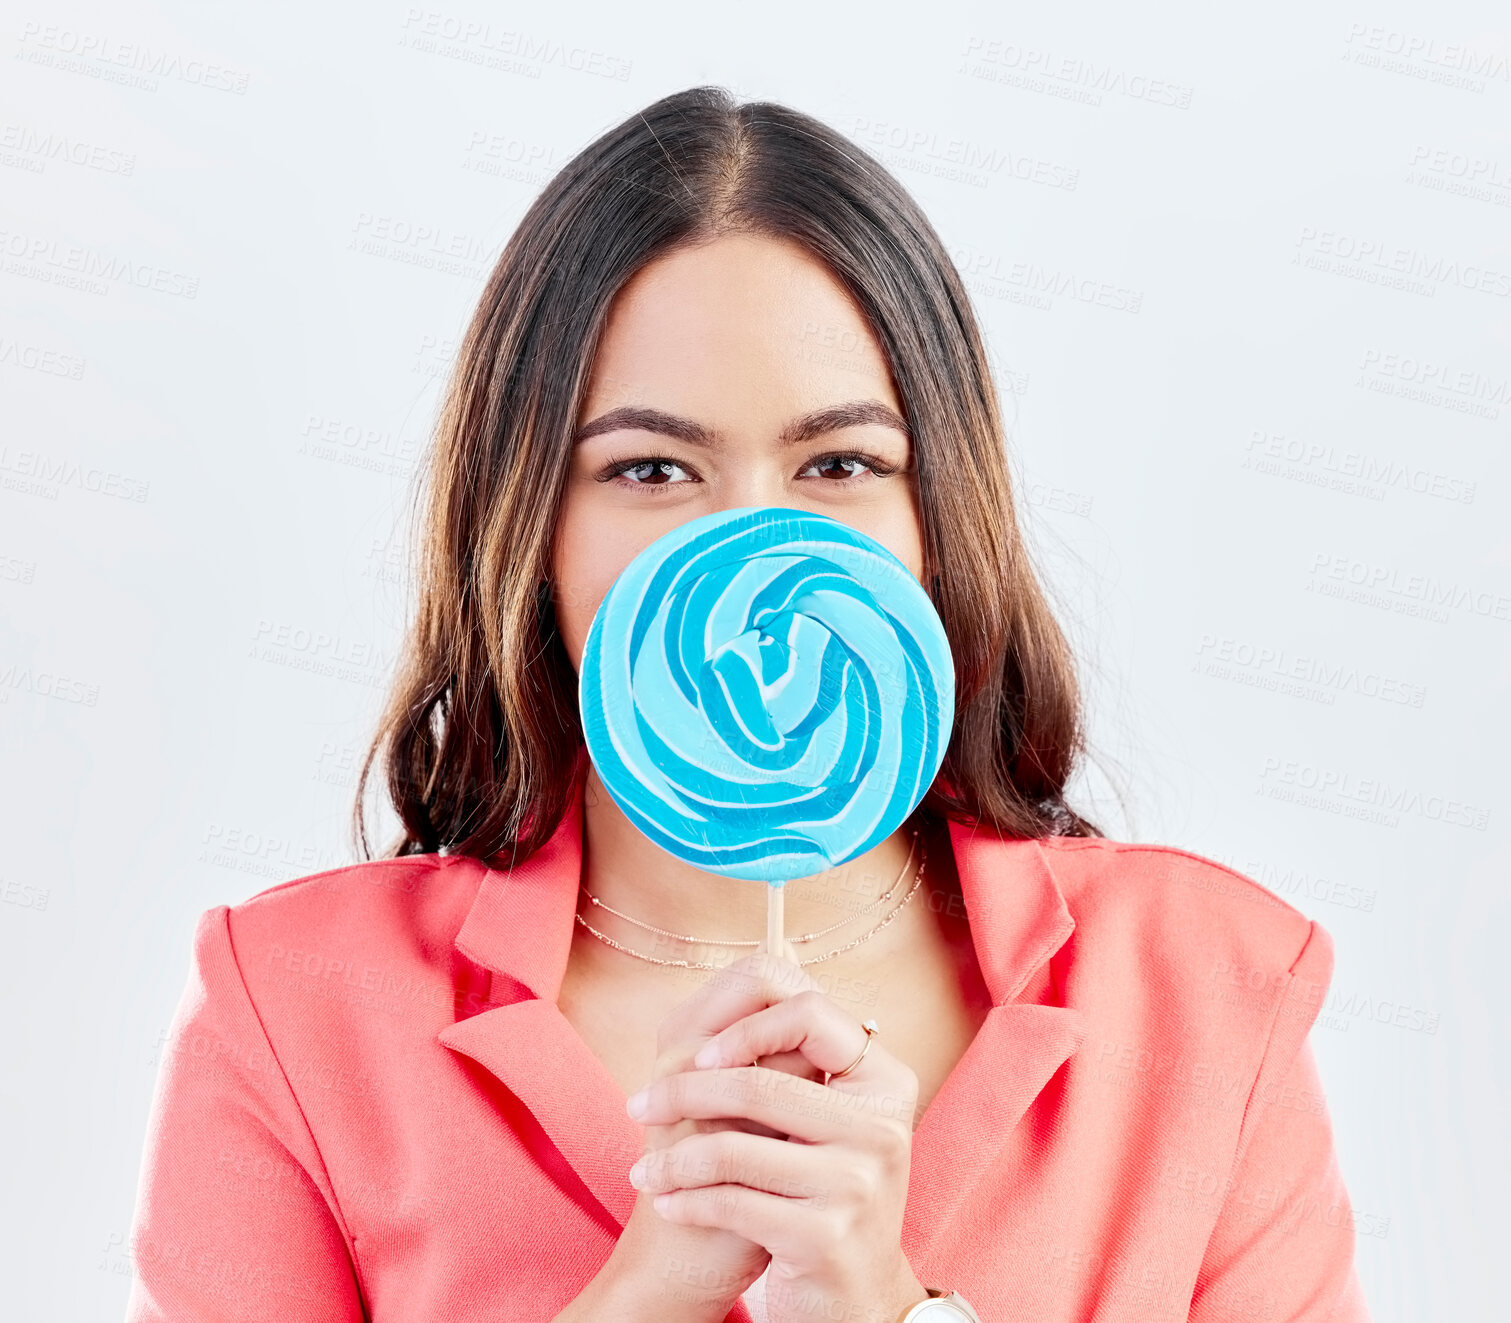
(732, 374)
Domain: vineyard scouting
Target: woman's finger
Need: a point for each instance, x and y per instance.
(801, 1108)
(749, 984)
(733, 1157)
(779, 1225)
(738, 989)
(809, 1023)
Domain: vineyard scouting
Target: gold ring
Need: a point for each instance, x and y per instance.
(870, 1027)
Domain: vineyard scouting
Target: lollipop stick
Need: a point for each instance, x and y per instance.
(774, 943)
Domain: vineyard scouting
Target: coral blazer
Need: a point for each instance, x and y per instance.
(371, 1107)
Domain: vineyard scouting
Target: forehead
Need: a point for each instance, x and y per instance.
(740, 318)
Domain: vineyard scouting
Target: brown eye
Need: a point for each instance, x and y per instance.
(836, 466)
(652, 471)
(849, 466)
(646, 472)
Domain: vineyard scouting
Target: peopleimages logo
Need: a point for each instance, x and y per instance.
(35, 149)
(1377, 254)
(47, 475)
(1353, 472)
(1378, 585)
(1041, 70)
(1453, 389)
(320, 652)
(1263, 659)
(990, 272)
(40, 258)
(35, 358)
(1288, 881)
(101, 55)
(504, 49)
(1336, 789)
(925, 149)
(47, 684)
(1481, 170)
(1429, 50)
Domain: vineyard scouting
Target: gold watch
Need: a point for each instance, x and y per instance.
(941, 1307)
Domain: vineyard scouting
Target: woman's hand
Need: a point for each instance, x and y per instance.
(821, 1181)
(685, 1270)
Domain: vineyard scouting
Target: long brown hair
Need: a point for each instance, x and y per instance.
(481, 731)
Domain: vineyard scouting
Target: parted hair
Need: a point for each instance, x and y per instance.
(480, 733)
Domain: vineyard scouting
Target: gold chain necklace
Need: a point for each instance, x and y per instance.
(807, 937)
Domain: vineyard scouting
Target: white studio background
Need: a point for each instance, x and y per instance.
(1246, 276)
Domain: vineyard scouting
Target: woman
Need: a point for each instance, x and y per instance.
(1002, 1057)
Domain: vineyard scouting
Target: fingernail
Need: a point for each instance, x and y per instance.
(637, 1175)
(637, 1103)
(708, 1055)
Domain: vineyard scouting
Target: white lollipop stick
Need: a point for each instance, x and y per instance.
(775, 945)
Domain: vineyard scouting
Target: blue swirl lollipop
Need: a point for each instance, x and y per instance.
(766, 693)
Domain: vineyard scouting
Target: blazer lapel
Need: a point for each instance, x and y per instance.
(534, 1050)
(520, 928)
(1018, 920)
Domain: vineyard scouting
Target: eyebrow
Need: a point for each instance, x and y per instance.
(832, 418)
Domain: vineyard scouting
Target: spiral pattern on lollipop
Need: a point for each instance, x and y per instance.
(766, 693)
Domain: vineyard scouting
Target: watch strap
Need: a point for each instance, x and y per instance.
(939, 1295)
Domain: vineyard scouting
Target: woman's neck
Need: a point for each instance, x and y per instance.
(626, 871)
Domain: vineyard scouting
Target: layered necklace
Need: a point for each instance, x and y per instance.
(806, 937)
